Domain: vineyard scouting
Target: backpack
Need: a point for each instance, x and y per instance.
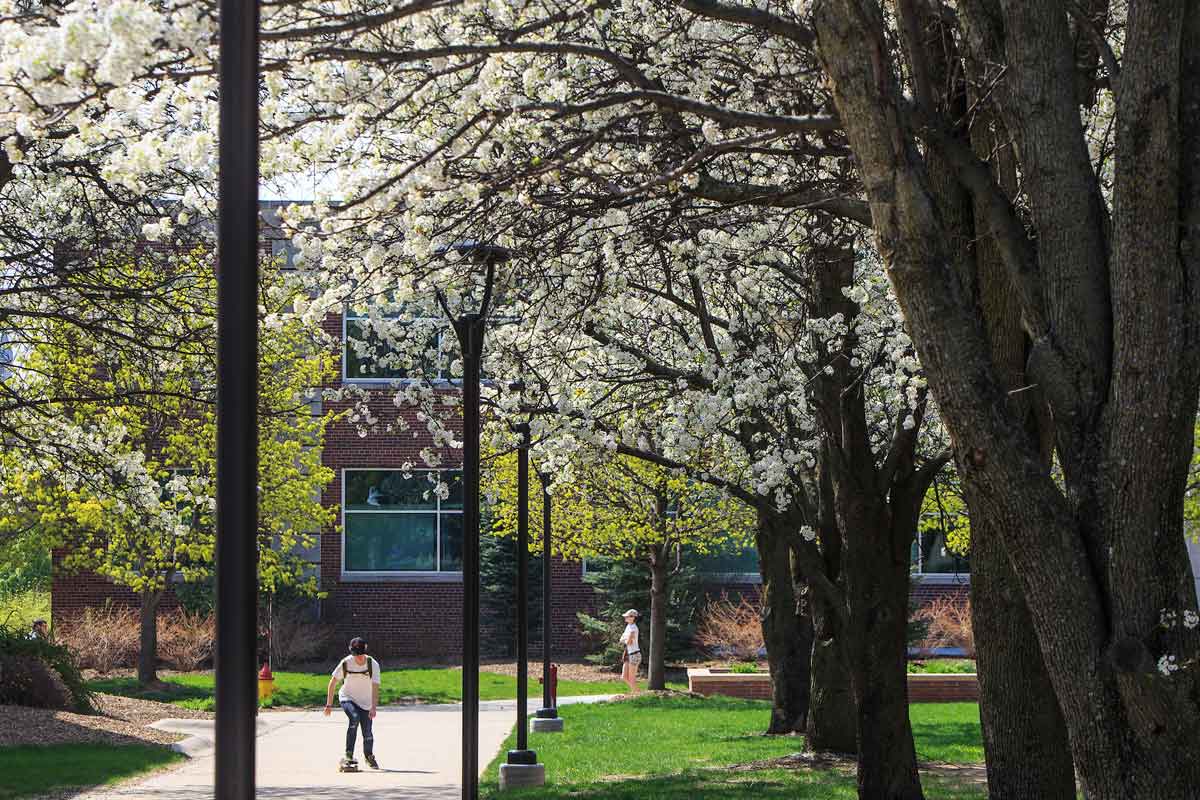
(369, 672)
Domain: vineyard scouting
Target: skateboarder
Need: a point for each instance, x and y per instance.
(359, 675)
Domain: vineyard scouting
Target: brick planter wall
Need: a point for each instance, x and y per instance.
(757, 686)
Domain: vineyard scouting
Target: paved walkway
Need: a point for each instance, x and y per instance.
(417, 746)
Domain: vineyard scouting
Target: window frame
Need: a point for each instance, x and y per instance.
(444, 378)
(398, 576)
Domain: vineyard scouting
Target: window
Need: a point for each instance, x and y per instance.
(396, 521)
(729, 559)
(368, 357)
(930, 556)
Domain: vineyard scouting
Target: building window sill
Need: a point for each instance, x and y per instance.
(402, 577)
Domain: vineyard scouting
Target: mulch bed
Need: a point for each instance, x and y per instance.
(123, 720)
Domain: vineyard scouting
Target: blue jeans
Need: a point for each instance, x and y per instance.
(358, 716)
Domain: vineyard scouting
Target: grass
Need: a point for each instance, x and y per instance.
(306, 689)
(942, 666)
(20, 610)
(673, 748)
(26, 771)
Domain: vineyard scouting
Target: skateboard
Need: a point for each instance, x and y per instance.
(348, 765)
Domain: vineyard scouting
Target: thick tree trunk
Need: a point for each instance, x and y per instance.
(147, 666)
(877, 584)
(832, 712)
(1096, 574)
(659, 585)
(1025, 741)
(1024, 736)
(786, 630)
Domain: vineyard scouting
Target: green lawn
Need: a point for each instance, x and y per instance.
(942, 666)
(308, 689)
(671, 748)
(26, 771)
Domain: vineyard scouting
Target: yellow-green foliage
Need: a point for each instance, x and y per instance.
(944, 509)
(619, 507)
(139, 508)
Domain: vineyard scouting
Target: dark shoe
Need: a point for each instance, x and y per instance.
(371, 762)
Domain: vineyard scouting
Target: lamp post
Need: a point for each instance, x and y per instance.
(546, 719)
(470, 327)
(521, 768)
(237, 403)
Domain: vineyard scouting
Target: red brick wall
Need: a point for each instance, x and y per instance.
(72, 592)
(414, 618)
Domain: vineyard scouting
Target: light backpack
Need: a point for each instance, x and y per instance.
(370, 668)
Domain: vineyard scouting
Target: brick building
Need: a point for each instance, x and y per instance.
(391, 568)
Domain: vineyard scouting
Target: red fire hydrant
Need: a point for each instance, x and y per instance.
(266, 683)
(553, 685)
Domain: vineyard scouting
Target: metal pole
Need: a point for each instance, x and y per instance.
(522, 755)
(470, 330)
(237, 403)
(547, 711)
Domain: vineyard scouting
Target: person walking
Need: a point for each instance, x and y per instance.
(360, 679)
(631, 658)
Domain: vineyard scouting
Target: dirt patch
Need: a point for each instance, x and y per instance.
(969, 774)
(122, 720)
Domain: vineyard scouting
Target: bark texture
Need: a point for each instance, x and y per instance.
(1112, 314)
(147, 665)
(787, 630)
(660, 576)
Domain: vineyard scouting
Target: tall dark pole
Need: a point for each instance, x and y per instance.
(522, 755)
(470, 330)
(546, 719)
(237, 403)
(547, 711)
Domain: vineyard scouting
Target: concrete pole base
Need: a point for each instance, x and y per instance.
(546, 725)
(516, 776)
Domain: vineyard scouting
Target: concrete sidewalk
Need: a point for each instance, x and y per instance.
(419, 748)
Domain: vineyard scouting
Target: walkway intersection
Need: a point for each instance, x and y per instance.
(419, 750)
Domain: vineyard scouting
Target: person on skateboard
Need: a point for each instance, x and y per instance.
(359, 675)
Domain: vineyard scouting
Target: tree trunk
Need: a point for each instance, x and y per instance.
(1024, 736)
(877, 585)
(1025, 741)
(786, 630)
(1099, 563)
(832, 713)
(659, 585)
(148, 639)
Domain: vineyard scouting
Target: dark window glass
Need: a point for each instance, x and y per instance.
(396, 522)
(391, 542)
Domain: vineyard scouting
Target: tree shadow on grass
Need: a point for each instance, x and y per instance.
(196, 697)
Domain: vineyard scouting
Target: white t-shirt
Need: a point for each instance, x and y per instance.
(630, 638)
(357, 686)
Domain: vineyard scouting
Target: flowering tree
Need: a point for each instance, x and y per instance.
(126, 488)
(552, 126)
(623, 507)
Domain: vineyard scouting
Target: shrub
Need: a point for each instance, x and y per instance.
(26, 680)
(296, 637)
(39, 671)
(729, 629)
(186, 640)
(949, 624)
(104, 638)
(744, 668)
